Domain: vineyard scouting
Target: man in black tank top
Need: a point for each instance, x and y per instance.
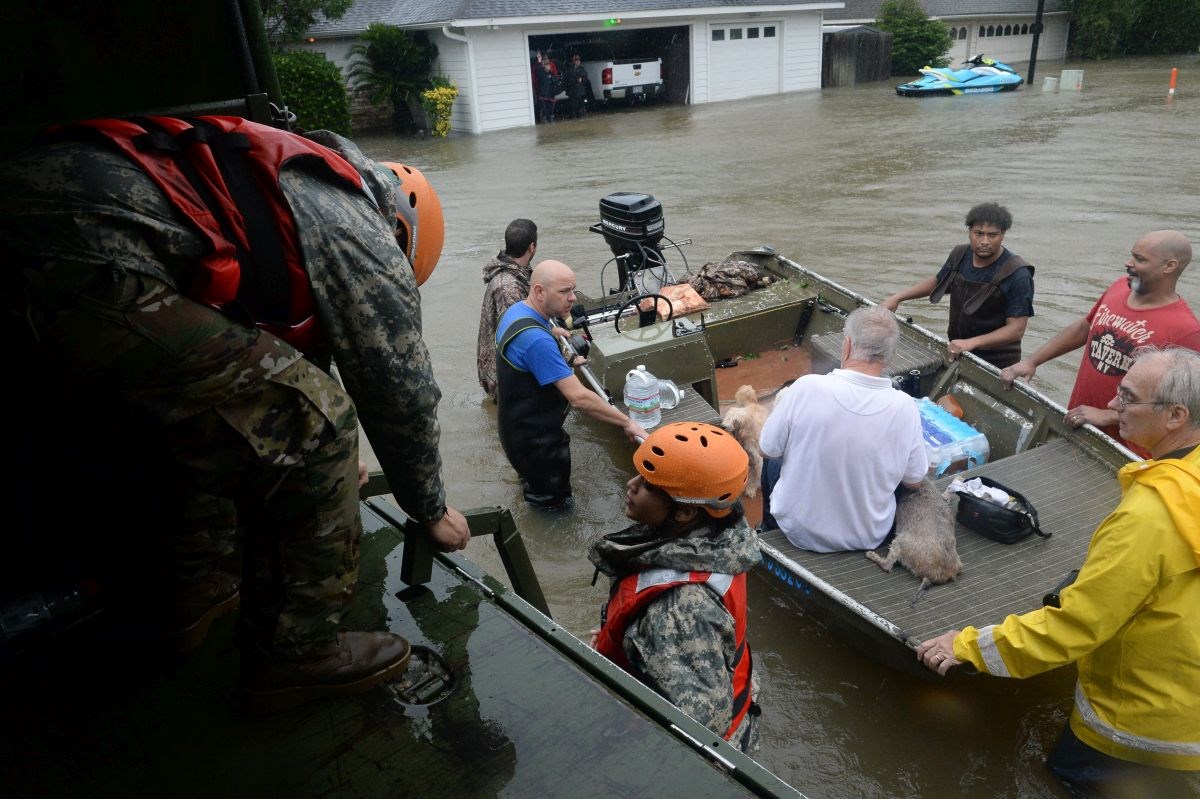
(991, 290)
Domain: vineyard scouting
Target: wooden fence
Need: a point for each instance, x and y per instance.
(855, 55)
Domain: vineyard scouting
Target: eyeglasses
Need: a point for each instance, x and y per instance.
(1123, 402)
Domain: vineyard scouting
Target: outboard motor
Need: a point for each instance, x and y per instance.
(632, 225)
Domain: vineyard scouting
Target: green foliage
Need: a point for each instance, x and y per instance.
(393, 65)
(1106, 28)
(287, 20)
(1101, 27)
(917, 41)
(314, 91)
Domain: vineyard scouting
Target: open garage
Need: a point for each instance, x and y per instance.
(669, 44)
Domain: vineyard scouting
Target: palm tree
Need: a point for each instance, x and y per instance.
(393, 65)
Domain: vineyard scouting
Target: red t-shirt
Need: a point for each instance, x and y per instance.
(1116, 331)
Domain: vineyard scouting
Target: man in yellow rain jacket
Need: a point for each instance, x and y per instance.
(1131, 620)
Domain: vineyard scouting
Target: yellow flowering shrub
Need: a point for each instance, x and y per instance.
(437, 103)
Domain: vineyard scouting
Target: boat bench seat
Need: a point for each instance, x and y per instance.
(1072, 492)
(827, 354)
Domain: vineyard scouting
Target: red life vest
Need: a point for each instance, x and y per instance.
(223, 175)
(635, 591)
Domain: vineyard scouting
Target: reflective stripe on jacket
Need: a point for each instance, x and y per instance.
(1131, 621)
(635, 591)
(190, 162)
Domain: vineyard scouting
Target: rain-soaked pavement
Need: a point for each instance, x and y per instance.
(870, 189)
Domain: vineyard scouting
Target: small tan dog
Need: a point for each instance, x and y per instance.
(745, 421)
(924, 542)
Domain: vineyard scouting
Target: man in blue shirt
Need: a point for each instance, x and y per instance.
(535, 387)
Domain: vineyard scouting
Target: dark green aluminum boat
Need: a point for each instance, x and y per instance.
(793, 326)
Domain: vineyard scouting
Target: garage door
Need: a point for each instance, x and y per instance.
(743, 59)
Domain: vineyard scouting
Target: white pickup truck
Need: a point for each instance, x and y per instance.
(613, 78)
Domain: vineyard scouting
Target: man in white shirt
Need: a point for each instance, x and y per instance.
(846, 441)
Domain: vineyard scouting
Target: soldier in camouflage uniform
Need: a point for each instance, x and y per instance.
(676, 615)
(101, 259)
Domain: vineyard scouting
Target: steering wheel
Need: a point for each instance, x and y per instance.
(638, 298)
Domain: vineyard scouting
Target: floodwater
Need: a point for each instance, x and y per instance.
(869, 189)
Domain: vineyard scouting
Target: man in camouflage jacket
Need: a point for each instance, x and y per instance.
(100, 259)
(506, 282)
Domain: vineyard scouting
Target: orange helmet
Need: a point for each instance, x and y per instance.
(420, 226)
(696, 464)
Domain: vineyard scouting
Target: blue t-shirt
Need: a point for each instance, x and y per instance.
(534, 350)
(1017, 288)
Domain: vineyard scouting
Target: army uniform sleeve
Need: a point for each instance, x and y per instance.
(370, 310)
(681, 647)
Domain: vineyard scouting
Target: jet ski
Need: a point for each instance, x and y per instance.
(981, 75)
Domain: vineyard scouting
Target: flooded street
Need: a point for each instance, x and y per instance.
(869, 189)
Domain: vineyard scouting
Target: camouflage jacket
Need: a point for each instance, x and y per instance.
(83, 203)
(506, 283)
(683, 645)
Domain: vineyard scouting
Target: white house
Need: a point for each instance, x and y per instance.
(1000, 29)
(712, 49)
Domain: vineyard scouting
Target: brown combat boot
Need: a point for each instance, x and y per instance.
(351, 664)
(193, 608)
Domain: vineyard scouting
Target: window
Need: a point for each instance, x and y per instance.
(1024, 29)
(735, 34)
(991, 30)
(953, 34)
(769, 32)
(718, 34)
(1008, 30)
(962, 33)
(981, 32)
(751, 33)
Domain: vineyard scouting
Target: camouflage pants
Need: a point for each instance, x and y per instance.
(246, 423)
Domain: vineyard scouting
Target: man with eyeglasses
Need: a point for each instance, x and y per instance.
(1138, 309)
(1131, 619)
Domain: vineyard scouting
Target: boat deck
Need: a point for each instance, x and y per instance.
(1072, 493)
(530, 714)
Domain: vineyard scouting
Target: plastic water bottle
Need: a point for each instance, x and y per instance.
(642, 397)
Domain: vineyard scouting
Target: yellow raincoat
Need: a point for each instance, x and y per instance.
(1131, 621)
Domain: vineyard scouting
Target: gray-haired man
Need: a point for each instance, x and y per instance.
(846, 441)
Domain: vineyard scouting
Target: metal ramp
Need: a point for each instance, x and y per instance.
(1072, 492)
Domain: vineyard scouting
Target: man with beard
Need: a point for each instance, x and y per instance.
(990, 287)
(1140, 309)
(506, 282)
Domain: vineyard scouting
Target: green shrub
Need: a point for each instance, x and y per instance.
(1106, 28)
(917, 40)
(314, 90)
(393, 66)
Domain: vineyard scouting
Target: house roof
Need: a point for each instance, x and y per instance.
(428, 12)
(868, 9)
(431, 12)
